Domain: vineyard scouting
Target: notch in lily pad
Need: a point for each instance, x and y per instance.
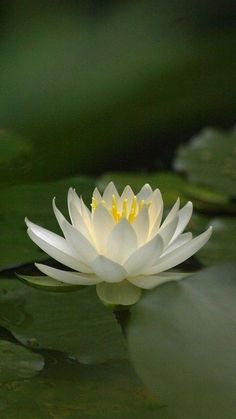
(45, 283)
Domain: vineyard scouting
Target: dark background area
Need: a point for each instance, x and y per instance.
(93, 86)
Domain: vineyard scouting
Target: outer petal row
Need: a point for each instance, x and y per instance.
(68, 277)
(180, 254)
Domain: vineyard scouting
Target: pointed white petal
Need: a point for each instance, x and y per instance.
(144, 256)
(102, 223)
(171, 214)
(56, 247)
(68, 277)
(145, 192)
(182, 239)
(109, 191)
(156, 226)
(86, 214)
(59, 216)
(97, 195)
(168, 231)
(108, 270)
(84, 249)
(72, 197)
(184, 216)
(126, 194)
(141, 225)
(74, 208)
(122, 293)
(121, 242)
(180, 254)
(79, 224)
(156, 207)
(151, 281)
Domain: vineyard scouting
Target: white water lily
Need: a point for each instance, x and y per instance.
(121, 244)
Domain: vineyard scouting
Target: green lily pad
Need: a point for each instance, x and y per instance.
(17, 362)
(182, 342)
(45, 283)
(210, 160)
(222, 245)
(35, 202)
(75, 322)
(66, 389)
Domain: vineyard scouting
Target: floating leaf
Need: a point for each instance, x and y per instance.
(210, 159)
(66, 389)
(182, 339)
(222, 245)
(35, 202)
(75, 322)
(17, 362)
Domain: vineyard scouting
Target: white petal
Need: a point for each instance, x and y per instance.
(168, 231)
(97, 195)
(102, 223)
(86, 214)
(108, 270)
(75, 211)
(56, 247)
(156, 207)
(68, 277)
(180, 254)
(79, 224)
(81, 227)
(144, 256)
(85, 250)
(145, 192)
(171, 214)
(151, 281)
(122, 293)
(126, 194)
(109, 191)
(59, 216)
(141, 225)
(72, 198)
(182, 239)
(184, 216)
(121, 242)
(156, 226)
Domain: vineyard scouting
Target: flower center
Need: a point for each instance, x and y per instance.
(123, 209)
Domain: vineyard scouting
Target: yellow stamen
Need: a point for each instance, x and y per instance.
(94, 203)
(141, 204)
(114, 209)
(132, 214)
(125, 208)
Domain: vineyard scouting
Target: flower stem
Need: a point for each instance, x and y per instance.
(122, 316)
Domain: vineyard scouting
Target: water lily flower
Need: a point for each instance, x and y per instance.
(120, 244)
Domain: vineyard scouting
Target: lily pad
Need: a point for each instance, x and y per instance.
(75, 322)
(35, 202)
(210, 160)
(66, 389)
(17, 362)
(182, 339)
(222, 245)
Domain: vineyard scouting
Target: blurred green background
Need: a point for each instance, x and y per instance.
(93, 86)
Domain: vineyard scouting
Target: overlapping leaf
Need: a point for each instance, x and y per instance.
(182, 340)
